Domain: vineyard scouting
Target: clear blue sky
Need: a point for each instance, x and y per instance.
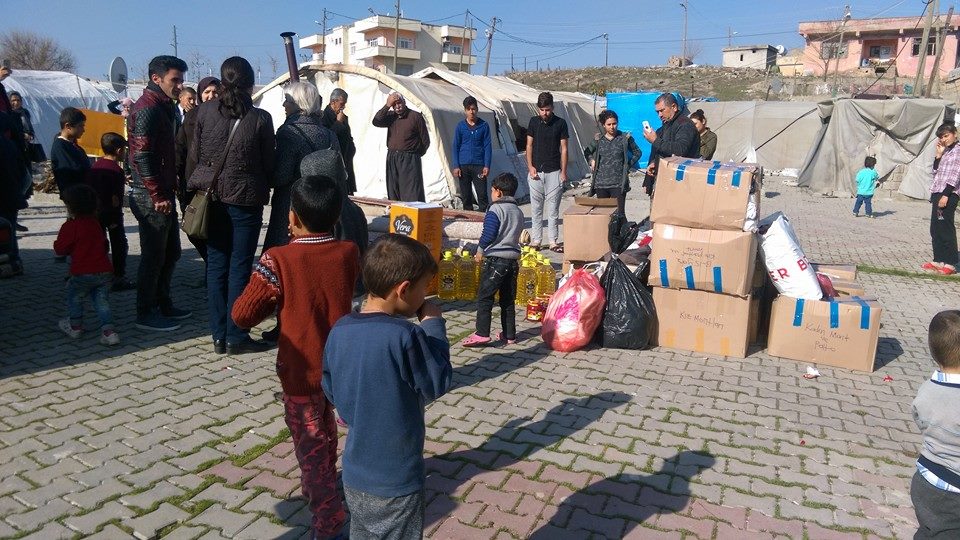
(641, 32)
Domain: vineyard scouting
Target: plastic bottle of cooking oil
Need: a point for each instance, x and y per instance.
(526, 282)
(467, 272)
(447, 277)
(546, 278)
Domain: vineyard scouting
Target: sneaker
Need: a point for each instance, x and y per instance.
(856, 214)
(272, 335)
(71, 331)
(473, 340)
(248, 346)
(109, 337)
(870, 216)
(122, 284)
(157, 323)
(507, 341)
(175, 313)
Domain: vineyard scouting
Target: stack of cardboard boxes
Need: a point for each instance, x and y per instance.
(703, 264)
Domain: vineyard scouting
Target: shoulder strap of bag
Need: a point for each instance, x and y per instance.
(226, 150)
(313, 147)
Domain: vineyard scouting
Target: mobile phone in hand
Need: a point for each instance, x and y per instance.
(646, 126)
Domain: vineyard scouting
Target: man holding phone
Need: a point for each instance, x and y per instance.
(676, 137)
(547, 136)
(472, 153)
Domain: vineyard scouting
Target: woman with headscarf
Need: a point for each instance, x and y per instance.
(231, 131)
(207, 90)
(302, 133)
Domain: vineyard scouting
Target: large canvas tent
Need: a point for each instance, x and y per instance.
(899, 132)
(46, 93)
(438, 95)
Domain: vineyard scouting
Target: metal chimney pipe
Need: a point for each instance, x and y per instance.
(291, 56)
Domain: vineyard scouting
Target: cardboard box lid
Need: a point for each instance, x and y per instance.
(417, 205)
(595, 201)
(704, 194)
(835, 310)
(581, 210)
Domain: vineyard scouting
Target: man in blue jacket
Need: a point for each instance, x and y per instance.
(472, 151)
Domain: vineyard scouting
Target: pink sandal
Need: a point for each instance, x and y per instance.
(473, 340)
(507, 341)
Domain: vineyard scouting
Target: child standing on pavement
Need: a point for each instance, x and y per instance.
(68, 161)
(82, 238)
(380, 370)
(866, 185)
(285, 281)
(108, 181)
(935, 489)
(499, 252)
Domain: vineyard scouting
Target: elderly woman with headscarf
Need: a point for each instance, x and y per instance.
(208, 89)
(302, 133)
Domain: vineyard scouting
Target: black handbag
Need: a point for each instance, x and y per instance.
(196, 216)
(35, 153)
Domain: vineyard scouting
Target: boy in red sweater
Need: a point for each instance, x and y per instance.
(108, 181)
(286, 281)
(82, 238)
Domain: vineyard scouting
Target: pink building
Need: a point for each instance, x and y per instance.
(876, 44)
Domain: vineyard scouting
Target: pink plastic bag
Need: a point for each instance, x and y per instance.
(574, 312)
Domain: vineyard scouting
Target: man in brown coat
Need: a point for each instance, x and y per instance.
(407, 142)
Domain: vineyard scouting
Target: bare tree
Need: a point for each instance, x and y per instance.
(27, 50)
(694, 49)
(197, 62)
(274, 62)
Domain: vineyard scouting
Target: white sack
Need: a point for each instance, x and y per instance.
(786, 263)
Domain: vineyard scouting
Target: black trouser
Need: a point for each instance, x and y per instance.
(498, 274)
(613, 193)
(942, 231)
(159, 252)
(113, 225)
(185, 197)
(938, 510)
(469, 180)
(404, 177)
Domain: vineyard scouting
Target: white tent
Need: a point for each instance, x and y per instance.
(46, 93)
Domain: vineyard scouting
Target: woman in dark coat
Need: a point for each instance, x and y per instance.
(243, 187)
(302, 133)
(208, 89)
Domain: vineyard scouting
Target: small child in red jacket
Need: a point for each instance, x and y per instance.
(91, 273)
(286, 281)
(108, 181)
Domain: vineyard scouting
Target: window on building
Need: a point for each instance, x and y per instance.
(931, 47)
(353, 49)
(833, 49)
(881, 52)
(404, 69)
(373, 42)
(741, 58)
(452, 48)
(405, 43)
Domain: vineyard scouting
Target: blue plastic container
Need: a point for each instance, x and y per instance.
(633, 108)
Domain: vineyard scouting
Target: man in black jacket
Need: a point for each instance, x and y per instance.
(407, 142)
(336, 121)
(676, 137)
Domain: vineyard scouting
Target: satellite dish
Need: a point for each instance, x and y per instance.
(118, 74)
(781, 50)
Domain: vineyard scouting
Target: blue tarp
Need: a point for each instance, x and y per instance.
(633, 108)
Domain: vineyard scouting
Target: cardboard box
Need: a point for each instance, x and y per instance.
(595, 201)
(706, 322)
(842, 333)
(716, 261)
(837, 271)
(846, 288)
(703, 194)
(585, 232)
(424, 223)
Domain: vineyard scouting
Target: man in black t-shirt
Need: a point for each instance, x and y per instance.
(547, 137)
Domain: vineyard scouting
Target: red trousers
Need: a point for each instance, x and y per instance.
(314, 432)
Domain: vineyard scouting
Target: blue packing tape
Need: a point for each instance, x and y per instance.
(735, 182)
(864, 313)
(712, 173)
(664, 279)
(688, 272)
(681, 168)
(798, 313)
(717, 279)
(834, 314)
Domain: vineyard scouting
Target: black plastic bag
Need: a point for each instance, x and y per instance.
(629, 314)
(621, 233)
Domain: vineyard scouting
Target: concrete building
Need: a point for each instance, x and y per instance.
(750, 56)
(876, 45)
(370, 42)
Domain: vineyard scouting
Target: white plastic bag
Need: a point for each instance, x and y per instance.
(787, 265)
(750, 219)
(595, 268)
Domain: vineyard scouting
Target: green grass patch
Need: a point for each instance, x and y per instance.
(819, 505)
(258, 450)
(867, 269)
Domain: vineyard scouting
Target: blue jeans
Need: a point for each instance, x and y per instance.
(97, 287)
(231, 247)
(863, 199)
(159, 252)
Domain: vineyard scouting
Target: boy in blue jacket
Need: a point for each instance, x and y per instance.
(472, 153)
(379, 371)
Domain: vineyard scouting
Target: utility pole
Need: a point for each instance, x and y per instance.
(493, 28)
(941, 35)
(729, 37)
(524, 63)
(922, 53)
(396, 38)
(843, 27)
(511, 62)
(606, 50)
(683, 55)
(175, 41)
(323, 54)
(463, 37)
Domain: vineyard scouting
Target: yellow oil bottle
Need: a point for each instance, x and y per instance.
(447, 277)
(526, 282)
(546, 278)
(467, 272)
